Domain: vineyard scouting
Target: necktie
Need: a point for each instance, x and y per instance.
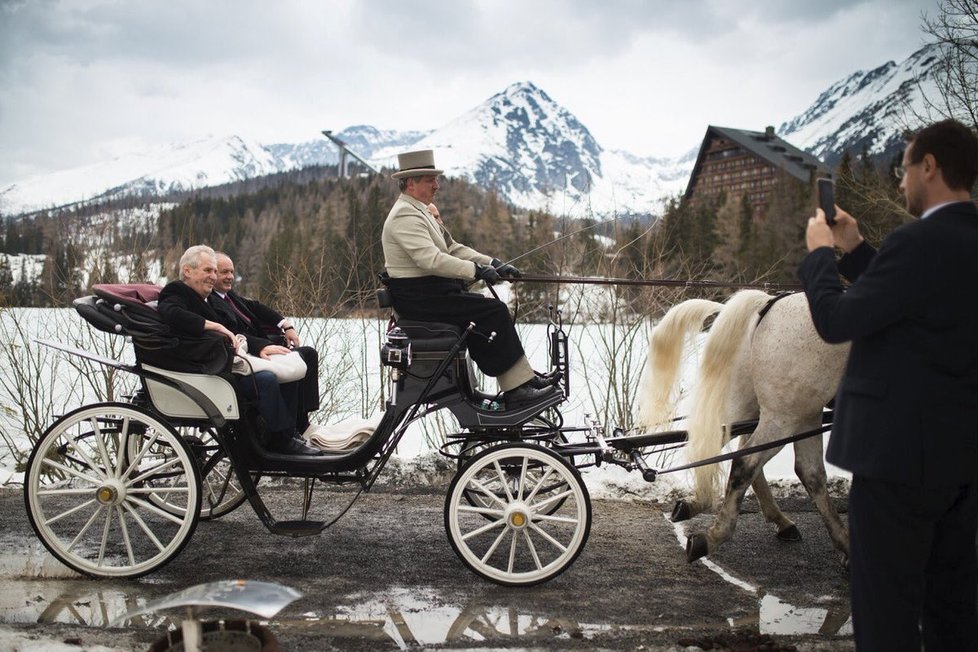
(237, 311)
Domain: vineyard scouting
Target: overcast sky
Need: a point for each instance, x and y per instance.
(86, 80)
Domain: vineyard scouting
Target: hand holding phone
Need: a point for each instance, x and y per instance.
(826, 199)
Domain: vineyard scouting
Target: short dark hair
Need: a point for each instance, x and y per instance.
(953, 146)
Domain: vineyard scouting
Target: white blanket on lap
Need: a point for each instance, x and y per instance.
(341, 436)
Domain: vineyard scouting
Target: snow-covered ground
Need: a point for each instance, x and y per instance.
(606, 362)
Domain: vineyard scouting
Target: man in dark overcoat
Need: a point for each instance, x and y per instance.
(906, 413)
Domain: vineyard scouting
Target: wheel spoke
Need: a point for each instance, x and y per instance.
(70, 512)
(557, 544)
(156, 470)
(142, 524)
(485, 528)
(495, 544)
(105, 536)
(162, 513)
(71, 471)
(533, 550)
(539, 484)
(125, 535)
(567, 520)
(87, 525)
(481, 487)
(503, 480)
(485, 511)
(543, 504)
(100, 445)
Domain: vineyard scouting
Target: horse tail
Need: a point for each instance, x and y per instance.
(729, 337)
(656, 390)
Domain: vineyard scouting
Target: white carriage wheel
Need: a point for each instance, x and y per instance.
(221, 492)
(520, 538)
(88, 496)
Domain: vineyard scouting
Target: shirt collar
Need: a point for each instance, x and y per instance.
(933, 209)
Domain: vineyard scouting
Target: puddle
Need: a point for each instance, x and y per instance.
(776, 616)
(35, 588)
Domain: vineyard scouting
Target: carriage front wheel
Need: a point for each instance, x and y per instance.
(90, 486)
(514, 535)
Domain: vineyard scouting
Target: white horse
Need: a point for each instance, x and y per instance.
(775, 369)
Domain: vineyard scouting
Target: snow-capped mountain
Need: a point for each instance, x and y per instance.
(520, 142)
(537, 154)
(869, 108)
(155, 172)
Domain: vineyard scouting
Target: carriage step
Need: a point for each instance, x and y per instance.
(297, 528)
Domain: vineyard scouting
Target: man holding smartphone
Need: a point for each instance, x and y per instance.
(906, 413)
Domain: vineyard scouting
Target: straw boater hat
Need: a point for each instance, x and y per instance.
(416, 164)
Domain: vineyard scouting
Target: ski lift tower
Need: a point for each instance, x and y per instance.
(345, 154)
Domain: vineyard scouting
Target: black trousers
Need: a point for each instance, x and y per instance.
(433, 298)
(308, 386)
(278, 404)
(913, 571)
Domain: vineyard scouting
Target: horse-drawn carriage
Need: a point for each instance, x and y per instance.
(116, 489)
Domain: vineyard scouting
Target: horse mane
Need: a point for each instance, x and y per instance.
(729, 337)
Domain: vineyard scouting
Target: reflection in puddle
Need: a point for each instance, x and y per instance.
(776, 616)
(406, 617)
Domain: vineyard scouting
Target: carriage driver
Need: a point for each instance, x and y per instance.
(428, 275)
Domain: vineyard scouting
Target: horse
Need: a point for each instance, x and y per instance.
(774, 369)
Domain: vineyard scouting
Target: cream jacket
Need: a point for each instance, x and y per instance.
(416, 245)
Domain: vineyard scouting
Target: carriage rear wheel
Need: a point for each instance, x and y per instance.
(523, 532)
(89, 491)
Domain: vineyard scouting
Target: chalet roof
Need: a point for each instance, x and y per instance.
(767, 146)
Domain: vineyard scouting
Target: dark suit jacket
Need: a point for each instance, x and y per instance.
(185, 311)
(907, 407)
(262, 321)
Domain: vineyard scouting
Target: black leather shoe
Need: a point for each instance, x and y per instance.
(543, 381)
(294, 446)
(526, 394)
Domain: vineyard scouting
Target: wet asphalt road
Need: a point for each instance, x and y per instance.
(385, 577)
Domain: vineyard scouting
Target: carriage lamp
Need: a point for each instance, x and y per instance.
(396, 351)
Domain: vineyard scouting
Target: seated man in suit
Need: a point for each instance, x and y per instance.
(183, 305)
(253, 318)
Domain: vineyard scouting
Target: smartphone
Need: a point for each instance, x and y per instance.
(826, 199)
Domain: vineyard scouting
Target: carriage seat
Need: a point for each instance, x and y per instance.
(130, 310)
(429, 335)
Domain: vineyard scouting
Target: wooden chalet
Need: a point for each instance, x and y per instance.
(737, 161)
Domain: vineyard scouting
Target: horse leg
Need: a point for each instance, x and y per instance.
(742, 473)
(810, 468)
(787, 530)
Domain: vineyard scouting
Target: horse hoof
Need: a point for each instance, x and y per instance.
(681, 512)
(696, 547)
(790, 533)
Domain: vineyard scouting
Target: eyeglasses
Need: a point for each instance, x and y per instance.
(901, 170)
